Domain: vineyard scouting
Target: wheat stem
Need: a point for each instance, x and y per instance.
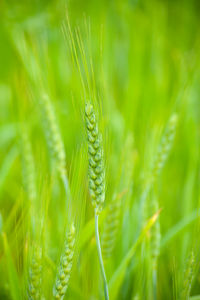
(155, 284)
(100, 258)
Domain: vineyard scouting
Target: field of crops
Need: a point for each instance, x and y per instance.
(99, 149)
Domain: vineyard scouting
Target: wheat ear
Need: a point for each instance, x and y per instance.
(158, 164)
(53, 134)
(54, 140)
(96, 178)
(28, 167)
(160, 159)
(111, 227)
(164, 147)
(35, 274)
(65, 267)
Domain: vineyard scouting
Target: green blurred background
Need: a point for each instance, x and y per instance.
(146, 65)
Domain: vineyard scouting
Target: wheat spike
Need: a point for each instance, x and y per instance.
(159, 160)
(164, 147)
(28, 167)
(53, 135)
(96, 179)
(111, 227)
(64, 270)
(35, 274)
(95, 155)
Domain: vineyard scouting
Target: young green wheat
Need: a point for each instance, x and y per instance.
(53, 135)
(64, 270)
(35, 274)
(28, 167)
(96, 166)
(164, 147)
(55, 141)
(111, 227)
(159, 161)
(96, 178)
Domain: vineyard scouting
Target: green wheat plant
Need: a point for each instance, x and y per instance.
(99, 150)
(149, 202)
(96, 176)
(53, 135)
(55, 141)
(111, 227)
(164, 147)
(35, 274)
(65, 267)
(28, 166)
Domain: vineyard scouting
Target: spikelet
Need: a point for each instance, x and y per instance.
(64, 270)
(28, 168)
(164, 148)
(35, 274)
(188, 277)
(95, 154)
(53, 135)
(155, 236)
(111, 227)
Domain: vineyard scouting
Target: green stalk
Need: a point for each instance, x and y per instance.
(106, 294)
(155, 284)
(67, 191)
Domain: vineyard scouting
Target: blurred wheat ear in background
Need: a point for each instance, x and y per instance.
(65, 267)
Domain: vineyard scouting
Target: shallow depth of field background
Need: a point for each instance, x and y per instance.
(146, 66)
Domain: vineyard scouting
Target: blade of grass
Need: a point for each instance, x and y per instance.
(88, 230)
(178, 228)
(118, 276)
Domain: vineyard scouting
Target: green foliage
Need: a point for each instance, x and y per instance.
(136, 65)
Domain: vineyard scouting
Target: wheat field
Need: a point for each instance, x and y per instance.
(99, 150)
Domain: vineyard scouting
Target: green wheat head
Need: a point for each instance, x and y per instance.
(64, 270)
(53, 135)
(159, 162)
(111, 227)
(96, 165)
(164, 147)
(28, 167)
(35, 274)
